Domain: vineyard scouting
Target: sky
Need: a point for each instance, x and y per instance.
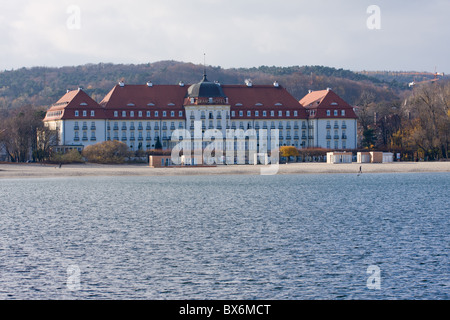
(350, 34)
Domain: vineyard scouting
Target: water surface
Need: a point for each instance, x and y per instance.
(225, 237)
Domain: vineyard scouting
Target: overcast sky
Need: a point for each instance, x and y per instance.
(413, 35)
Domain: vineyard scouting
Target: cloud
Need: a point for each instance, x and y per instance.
(232, 33)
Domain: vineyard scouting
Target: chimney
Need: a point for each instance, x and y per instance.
(149, 84)
(248, 82)
(121, 83)
(276, 84)
(181, 84)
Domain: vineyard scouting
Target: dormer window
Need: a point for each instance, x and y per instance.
(77, 113)
(328, 113)
(335, 113)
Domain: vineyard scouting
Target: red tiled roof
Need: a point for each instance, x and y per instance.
(262, 98)
(73, 100)
(319, 102)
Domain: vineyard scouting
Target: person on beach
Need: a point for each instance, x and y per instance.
(360, 169)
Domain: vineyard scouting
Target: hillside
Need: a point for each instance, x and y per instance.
(42, 86)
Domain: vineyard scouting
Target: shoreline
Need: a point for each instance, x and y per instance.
(24, 171)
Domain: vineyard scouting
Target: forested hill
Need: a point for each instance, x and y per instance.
(42, 86)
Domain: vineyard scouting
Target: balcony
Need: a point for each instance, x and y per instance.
(124, 127)
(124, 138)
(148, 138)
(336, 137)
(203, 117)
(328, 126)
(191, 127)
(311, 137)
(76, 139)
(116, 138)
(329, 137)
(288, 138)
(288, 127)
(297, 138)
(156, 127)
(344, 126)
(132, 128)
(211, 126)
(93, 128)
(116, 128)
(304, 126)
(336, 126)
(344, 137)
(233, 126)
(164, 128)
(140, 128)
(132, 139)
(272, 126)
(192, 117)
(85, 139)
(76, 128)
(84, 127)
(219, 126)
(296, 127)
(93, 139)
(219, 116)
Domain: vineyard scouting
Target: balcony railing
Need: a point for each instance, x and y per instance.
(336, 137)
(76, 128)
(328, 136)
(344, 136)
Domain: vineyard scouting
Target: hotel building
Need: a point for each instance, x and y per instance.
(140, 115)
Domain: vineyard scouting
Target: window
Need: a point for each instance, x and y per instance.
(256, 113)
(328, 113)
(343, 113)
(172, 113)
(76, 135)
(132, 114)
(241, 113)
(164, 113)
(124, 113)
(116, 114)
(140, 114)
(328, 144)
(233, 113)
(92, 113)
(288, 113)
(156, 113)
(280, 113)
(295, 113)
(272, 113)
(148, 114)
(84, 113)
(77, 113)
(335, 113)
(264, 113)
(180, 113)
(249, 113)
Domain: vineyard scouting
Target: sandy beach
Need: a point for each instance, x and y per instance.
(14, 171)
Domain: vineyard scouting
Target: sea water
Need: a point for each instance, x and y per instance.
(283, 237)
